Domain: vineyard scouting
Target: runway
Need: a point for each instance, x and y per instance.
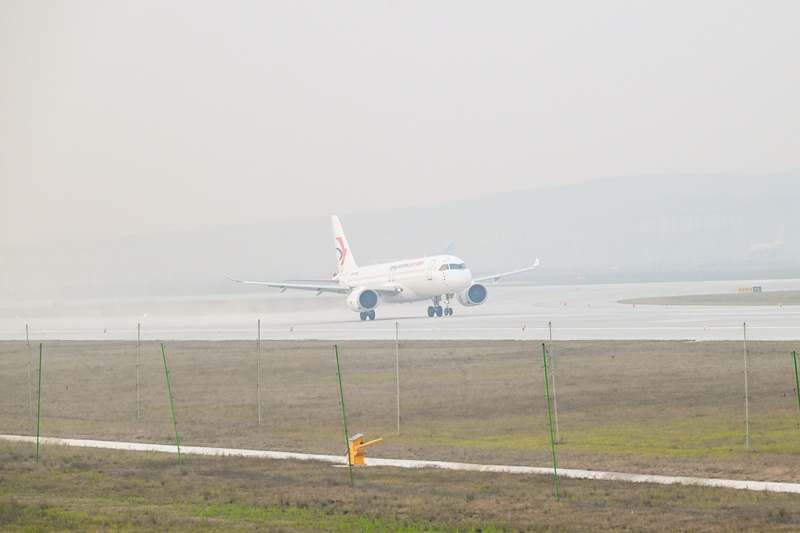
(512, 312)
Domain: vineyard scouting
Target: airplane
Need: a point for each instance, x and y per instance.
(438, 278)
(768, 248)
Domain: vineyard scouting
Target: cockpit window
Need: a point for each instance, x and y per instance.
(444, 267)
(457, 266)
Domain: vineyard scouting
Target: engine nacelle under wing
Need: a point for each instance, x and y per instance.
(362, 299)
(475, 294)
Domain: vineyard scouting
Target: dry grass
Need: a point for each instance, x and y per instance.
(674, 408)
(767, 298)
(81, 489)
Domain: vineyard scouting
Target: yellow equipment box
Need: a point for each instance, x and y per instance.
(357, 453)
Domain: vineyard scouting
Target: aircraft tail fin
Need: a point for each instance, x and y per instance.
(344, 256)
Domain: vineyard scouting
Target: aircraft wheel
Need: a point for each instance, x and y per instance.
(363, 316)
(449, 311)
(371, 315)
(431, 311)
(438, 310)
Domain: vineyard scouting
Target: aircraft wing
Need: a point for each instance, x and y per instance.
(284, 285)
(496, 277)
(319, 287)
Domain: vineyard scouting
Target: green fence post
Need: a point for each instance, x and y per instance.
(344, 415)
(796, 379)
(550, 418)
(39, 403)
(172, 406)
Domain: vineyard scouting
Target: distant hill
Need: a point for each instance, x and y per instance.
(615, 229)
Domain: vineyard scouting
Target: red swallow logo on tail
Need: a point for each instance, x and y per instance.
(342, 251)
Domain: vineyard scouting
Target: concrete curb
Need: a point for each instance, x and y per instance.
(763, 486)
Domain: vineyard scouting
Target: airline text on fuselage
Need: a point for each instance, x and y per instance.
(407, 265)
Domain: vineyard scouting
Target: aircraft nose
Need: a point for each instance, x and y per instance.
(463, 277)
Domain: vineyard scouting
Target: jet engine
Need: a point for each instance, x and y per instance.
(362, 299)
(475, 294)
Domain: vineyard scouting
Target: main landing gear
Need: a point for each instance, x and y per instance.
(368, 315)
(438, 310)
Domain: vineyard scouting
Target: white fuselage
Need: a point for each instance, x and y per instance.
(411, 280)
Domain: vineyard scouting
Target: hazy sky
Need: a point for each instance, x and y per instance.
(132, 117)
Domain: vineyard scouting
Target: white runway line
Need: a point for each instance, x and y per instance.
(764, 486)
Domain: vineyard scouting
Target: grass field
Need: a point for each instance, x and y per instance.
(673, 408)
(768, 298)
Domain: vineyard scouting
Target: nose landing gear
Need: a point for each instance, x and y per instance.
(437, 310)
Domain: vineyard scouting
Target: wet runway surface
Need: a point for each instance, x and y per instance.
(512, 312)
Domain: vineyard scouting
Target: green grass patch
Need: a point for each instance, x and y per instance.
(688, 437)
(309, 519)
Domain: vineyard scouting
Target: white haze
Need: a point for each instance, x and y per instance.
(121, 118)
(614, 230)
